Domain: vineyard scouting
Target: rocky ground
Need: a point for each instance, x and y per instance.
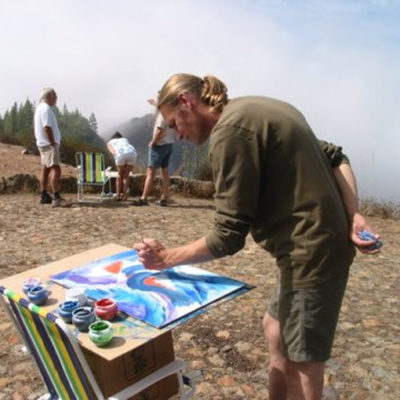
(226, 343)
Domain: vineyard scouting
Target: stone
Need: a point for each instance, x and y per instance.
(329, 394)
(216, 360)
(223, 335)
(248, 391)
(212, 351)
(205, 388)
(226, 348)
(186, 336)
(226, 381)
(243, 347)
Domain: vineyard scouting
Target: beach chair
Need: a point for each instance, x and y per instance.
(91, 171)
(61, 361)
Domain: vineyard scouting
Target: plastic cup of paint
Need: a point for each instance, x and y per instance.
(106, 308)
(82, 317)
(38, 295)
(66, 308)
(30, 282)
(76, 293)
(101, 333)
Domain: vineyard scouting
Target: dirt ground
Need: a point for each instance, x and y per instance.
(226, 343)
(13, 161)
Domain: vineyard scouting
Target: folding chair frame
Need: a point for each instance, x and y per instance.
(91, 171)
(72, 374)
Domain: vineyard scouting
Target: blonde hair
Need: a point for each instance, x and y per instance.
(209, 89)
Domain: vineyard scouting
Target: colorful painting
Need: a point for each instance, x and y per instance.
(158, 298)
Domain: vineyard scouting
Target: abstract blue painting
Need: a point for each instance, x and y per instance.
(158, 298)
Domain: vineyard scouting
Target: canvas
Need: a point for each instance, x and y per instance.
(158, 298)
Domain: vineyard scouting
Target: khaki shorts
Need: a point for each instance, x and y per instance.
(49, 155)
(308, 318)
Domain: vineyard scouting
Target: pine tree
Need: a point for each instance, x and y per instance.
(8, 126)
(78, 133)
(10, 120)
(26, 117)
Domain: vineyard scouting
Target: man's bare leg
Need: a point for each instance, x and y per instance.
(148, 184)
(125, 183)
(44, 178)
(305, 380)
(277, 380)
(55, 178)
(165, 183)
(290, 380)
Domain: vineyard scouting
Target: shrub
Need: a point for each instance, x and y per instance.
(371, 207)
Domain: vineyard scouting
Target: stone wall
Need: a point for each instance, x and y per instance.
(26, 183)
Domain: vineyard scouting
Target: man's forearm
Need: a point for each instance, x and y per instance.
(158, 135)
(50, 135)
(348, 187)
(192, 253)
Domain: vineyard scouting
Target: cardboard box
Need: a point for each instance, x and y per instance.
(136, 350)
(115, 375)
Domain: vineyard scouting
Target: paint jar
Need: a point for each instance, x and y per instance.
(38, 295)
(106, 308)
(82, 317)
(76, 293)
(28, 283)
(101, 333)
(65, 309)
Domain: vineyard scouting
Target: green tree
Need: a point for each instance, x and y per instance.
(26, 116)
(24, 130)
(10, 120)
(78, 133)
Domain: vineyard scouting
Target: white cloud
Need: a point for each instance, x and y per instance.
(336, 61)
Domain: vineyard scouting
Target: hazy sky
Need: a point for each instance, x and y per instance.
(337, 61)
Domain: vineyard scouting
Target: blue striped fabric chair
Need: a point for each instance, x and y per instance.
(91, 171)
(60, 360)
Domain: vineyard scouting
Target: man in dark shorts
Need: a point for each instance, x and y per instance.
(297, 197)
(160, 150)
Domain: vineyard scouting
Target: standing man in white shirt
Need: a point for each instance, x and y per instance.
(48, 140)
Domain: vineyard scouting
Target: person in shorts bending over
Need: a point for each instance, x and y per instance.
(296, 195)
(160, 150)
(125, 158)
(48, 140)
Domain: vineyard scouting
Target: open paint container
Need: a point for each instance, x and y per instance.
(101, 333)
(66, 308)
(82, 317)
(106, 308)
(76, 293)
(38, 295)
(29, 283)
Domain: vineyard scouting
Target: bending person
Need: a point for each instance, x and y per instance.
(125, 158)
(297, 197)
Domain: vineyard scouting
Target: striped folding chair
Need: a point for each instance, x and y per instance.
(91, 172)
(60, 359)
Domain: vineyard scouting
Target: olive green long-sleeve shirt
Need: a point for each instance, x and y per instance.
(274, 179)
